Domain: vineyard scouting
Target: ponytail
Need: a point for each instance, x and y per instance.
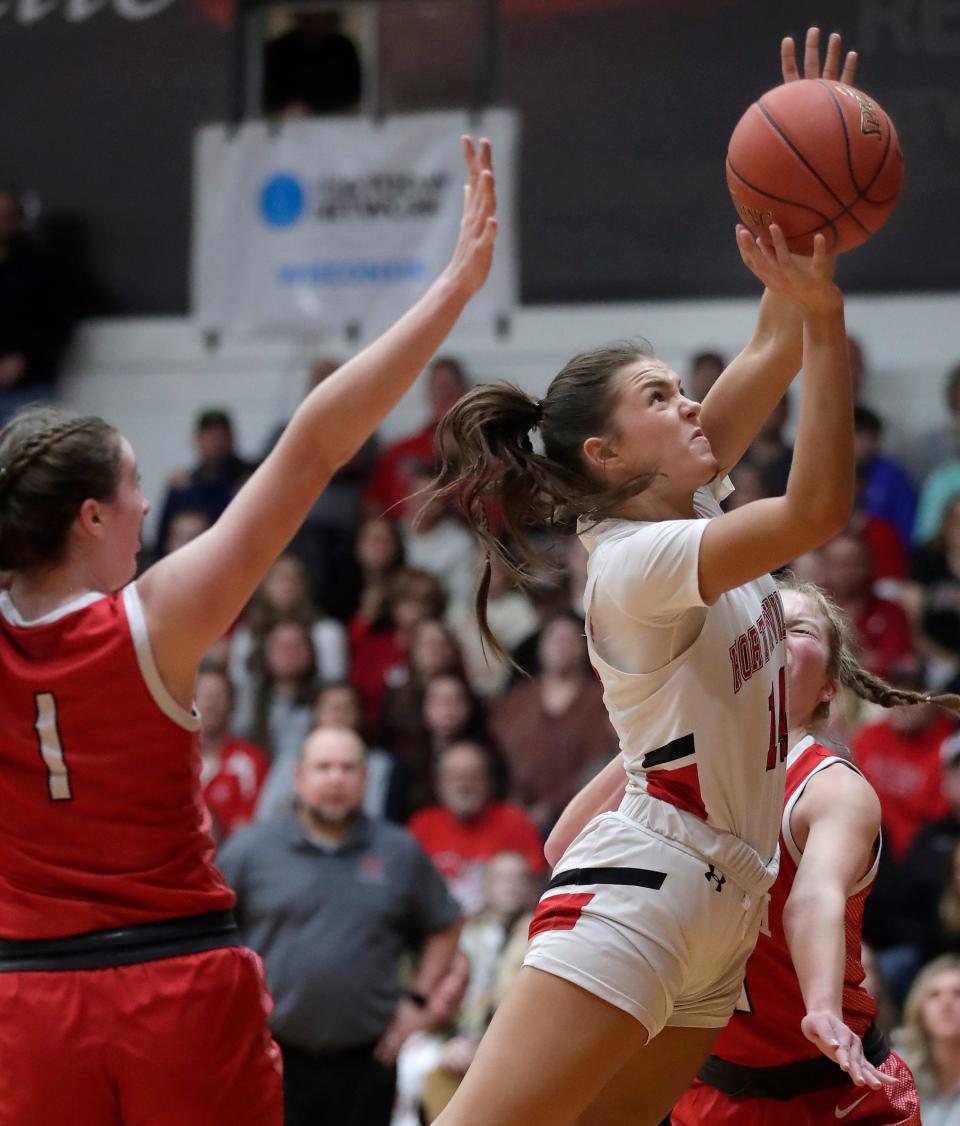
(486, 455)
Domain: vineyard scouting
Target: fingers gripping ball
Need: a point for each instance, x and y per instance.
(815, 155)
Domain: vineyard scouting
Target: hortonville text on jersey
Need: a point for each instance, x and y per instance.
(752, 649)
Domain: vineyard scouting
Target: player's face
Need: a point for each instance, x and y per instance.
(940, 1011)
(124, 518)
(808, 653)
(657, 427)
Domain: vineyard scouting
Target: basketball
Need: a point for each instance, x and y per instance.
(815, 156)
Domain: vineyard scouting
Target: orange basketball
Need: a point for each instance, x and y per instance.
(815, 155)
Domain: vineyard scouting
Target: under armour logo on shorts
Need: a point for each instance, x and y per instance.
(713, 874)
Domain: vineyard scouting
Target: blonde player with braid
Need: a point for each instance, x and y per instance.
(802, 1046)
(125, 997)
(802, 1038)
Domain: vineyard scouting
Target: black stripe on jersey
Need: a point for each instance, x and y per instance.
(635, 877)
(676, 748)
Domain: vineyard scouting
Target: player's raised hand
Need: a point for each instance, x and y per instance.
(809, 283)
(473, 254)
(840, 1043)
(811, 58)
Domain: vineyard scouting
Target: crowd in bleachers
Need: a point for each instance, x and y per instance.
(367, 623)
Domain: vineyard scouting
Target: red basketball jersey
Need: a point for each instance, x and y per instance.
(765, 1029)
(103, 822)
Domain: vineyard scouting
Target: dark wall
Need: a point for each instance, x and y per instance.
(627, 110)
(626, 104)
(98, 119)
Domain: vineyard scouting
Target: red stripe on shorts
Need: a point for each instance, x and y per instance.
(678, 787)
(559, 912)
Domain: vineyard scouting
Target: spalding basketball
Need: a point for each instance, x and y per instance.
(815, 155)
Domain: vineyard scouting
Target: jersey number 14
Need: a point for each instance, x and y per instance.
(779, 728)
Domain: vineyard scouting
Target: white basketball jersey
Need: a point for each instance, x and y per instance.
(707, 730)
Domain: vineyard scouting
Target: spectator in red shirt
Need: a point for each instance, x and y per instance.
(379, 648)
(882, 627)
(389, 483)
(900, 756)
(233, 770)
(468, 828)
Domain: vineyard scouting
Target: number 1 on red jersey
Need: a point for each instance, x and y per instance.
(51, 749)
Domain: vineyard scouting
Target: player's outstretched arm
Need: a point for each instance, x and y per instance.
(766, 534)
(193, 595)
(836, 822)
(757, 379)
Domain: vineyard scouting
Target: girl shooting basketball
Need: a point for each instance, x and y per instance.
(639, 945)
(125, 996)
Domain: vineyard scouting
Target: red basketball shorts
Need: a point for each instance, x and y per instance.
(897, 1105)
(177, 1042)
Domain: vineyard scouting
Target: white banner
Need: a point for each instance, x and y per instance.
(317, 224)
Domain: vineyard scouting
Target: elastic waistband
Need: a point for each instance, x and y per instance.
(789, 1080)
(121, 946)
(734, 857)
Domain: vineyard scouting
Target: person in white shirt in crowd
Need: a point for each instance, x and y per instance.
(434, 539)
(285, 594)
(512, 619)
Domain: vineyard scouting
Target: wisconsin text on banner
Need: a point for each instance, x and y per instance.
(323, 222)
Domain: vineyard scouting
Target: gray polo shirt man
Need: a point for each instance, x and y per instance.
(332, 923)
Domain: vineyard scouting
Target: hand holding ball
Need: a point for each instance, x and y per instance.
(815, 156)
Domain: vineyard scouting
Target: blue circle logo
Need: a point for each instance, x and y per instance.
(282, 200)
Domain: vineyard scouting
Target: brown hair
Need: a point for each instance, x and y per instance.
(484, 450)
(844, 667)
(304, 694)
(51, 461)
(261, 615)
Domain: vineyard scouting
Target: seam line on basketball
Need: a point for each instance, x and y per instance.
(845, 208)
(826, 223)
(846, 133)
(779, 198)
(883, 159)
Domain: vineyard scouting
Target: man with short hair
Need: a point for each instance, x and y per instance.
(332, 901)
(210, 484)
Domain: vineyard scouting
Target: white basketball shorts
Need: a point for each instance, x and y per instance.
(658, 926)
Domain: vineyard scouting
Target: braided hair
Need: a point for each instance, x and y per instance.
(844, 667)
(51, 461)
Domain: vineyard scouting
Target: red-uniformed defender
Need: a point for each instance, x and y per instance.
(804, 1011)
(125, 997)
